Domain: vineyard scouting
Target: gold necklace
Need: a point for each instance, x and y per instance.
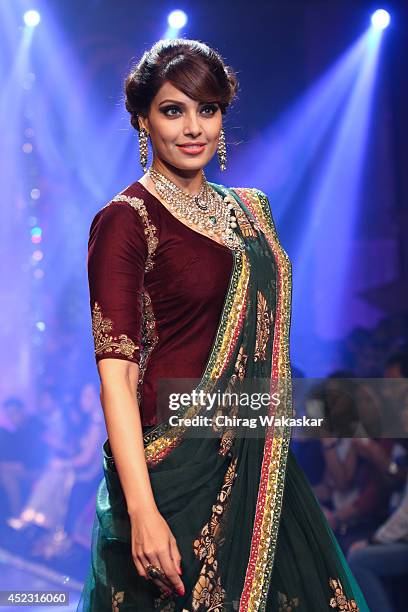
(207, 209)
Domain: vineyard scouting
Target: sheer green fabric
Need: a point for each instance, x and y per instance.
(250, 532)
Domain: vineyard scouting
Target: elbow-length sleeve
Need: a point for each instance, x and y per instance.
(117, 252)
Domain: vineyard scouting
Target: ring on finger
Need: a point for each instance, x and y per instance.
(153, 571)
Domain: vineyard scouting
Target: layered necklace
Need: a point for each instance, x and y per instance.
(207, 209)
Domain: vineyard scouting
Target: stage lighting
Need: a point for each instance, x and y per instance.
(32, 18)
(177, 19)
(380, 19)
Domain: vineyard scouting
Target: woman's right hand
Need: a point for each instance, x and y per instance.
(153, 542)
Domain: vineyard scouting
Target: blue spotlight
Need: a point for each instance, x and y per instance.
(380, 19)
(32, 18)
(177, 19)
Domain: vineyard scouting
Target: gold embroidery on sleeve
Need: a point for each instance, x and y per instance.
(149, 338)
(263, 326)
(104, 341)
(150, 229)
(340, 601)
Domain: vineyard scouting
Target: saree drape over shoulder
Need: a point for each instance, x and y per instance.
(250, 531)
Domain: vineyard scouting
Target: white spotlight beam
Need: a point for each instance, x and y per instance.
(32, 18)
(176, 20)
(380, 19)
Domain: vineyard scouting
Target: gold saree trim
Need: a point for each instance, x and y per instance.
(263, 325)
(117, 599)
(271, 486)
(208, 593)
(340, 601)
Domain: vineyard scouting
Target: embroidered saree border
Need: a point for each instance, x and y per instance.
(270, 492)
(163, 438)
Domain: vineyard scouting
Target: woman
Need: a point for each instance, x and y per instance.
(188, 281)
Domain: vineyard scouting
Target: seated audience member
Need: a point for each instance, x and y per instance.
(383, 554)
(353, 497)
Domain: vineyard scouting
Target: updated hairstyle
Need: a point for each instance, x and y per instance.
(191, 66)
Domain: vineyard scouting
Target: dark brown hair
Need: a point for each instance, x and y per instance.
(191, 66)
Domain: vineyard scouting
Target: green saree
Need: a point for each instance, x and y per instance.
(249, 529)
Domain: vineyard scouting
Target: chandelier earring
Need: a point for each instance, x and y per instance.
(143, 147)
(222, 150)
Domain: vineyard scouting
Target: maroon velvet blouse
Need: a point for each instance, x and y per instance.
(157, 289)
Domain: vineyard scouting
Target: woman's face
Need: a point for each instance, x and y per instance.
(184, 133)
